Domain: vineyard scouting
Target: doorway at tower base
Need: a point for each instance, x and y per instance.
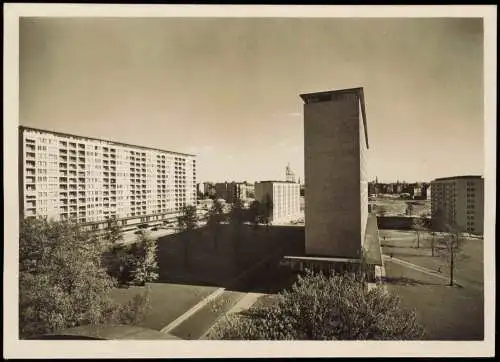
(332, 265)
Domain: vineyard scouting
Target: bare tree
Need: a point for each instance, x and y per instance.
(409, 209)
(419, 227)
(449, 246)
(433, 243)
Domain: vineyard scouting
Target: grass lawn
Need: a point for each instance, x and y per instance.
(468, 262)
(397, 207)
(167, 301)
(447, 313)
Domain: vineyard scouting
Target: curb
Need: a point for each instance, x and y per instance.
(192, 310)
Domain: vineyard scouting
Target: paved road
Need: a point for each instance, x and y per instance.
(196, 326)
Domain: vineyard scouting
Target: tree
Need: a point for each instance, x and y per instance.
(116, 256)
(236, 220)
(419, 227)
(215, 218)
(449, 246)
(266, 211)
(237, 214)
(143, 260)
(325, 308)
(62, 282)
(113, 233)
(255, 213)
(186, 224)
(433, 243)
(409, 208)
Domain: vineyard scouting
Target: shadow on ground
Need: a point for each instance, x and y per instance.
(408, 281)
(217, 257)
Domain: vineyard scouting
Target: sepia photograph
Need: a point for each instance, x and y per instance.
(214, 174)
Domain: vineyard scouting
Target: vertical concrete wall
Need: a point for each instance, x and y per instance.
(332, 176)
(363, 179)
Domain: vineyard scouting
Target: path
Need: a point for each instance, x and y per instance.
(199, 319)
(431, 272)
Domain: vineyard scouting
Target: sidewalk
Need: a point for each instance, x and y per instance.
(246, 302)
(421, 269)
(243, 304)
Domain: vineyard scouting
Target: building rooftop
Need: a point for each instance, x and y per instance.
(24, 128)
(458, 177)
(280, 182)
(326, 96)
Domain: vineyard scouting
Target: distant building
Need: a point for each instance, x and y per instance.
(460, 201)
(200, 188)
(289, 174)
(209, 188)
(285, 197)
(428, 192)
(232, 191)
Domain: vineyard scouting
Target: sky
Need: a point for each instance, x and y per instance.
(228, 89)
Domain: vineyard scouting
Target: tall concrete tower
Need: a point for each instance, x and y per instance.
(336, 202)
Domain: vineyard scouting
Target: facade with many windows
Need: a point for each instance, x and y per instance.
(88, 180)
(459, 202)
(285, 198)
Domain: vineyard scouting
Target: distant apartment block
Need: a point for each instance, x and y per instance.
(460, 200)
(89, 180)
(336, 146)
(232, 191)
(285, 198)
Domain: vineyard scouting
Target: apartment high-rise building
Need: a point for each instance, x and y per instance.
(89, 180)
(459, 201)
(285, 198)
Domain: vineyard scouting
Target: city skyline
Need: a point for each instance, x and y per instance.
(228, 89)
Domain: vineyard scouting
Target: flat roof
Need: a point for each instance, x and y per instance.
(308, 97)
(24, 128)
(322, 259)
(277, 182)
(458, 177)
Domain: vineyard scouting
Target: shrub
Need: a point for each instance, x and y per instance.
(62, 282)
(326, 308)
(132, 312)
(142, 262)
